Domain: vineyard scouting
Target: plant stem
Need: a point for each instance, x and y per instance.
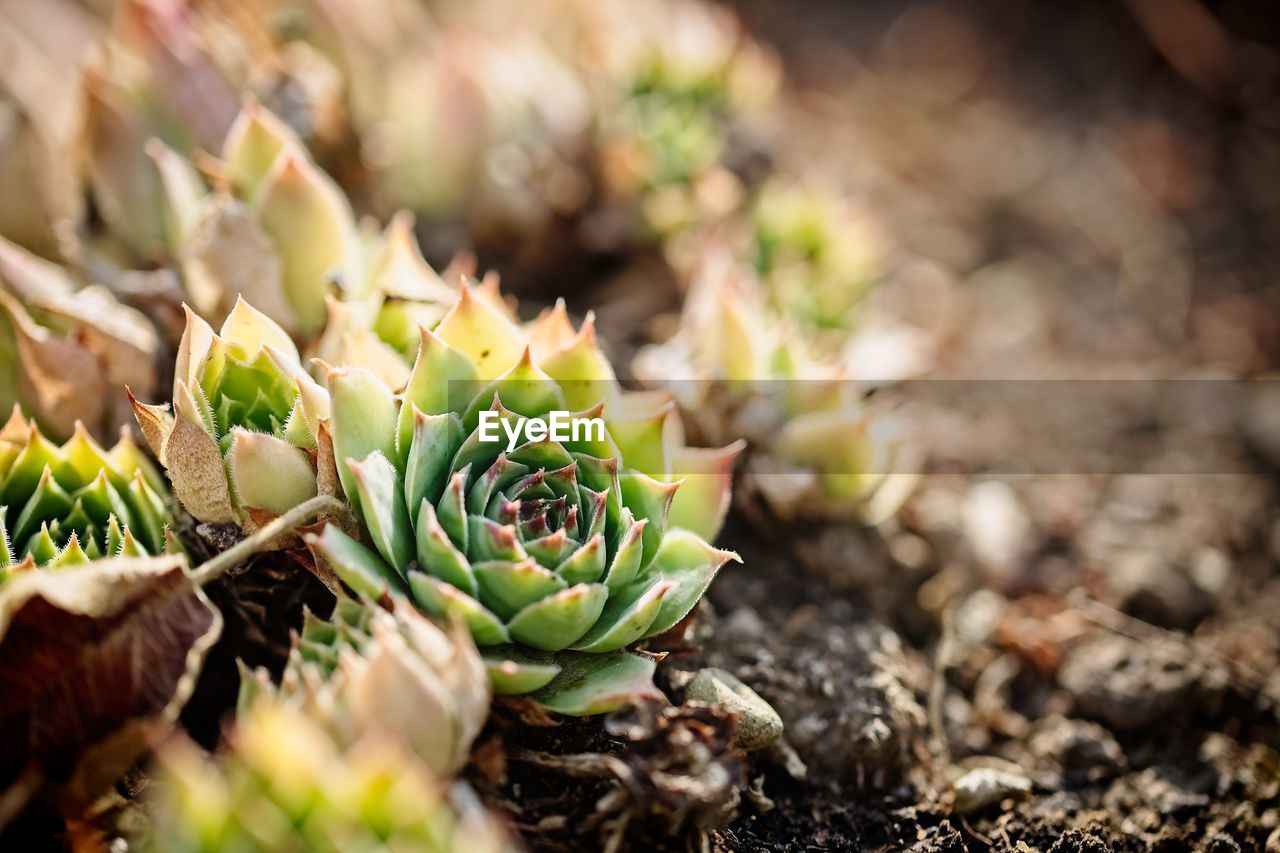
(250, 545)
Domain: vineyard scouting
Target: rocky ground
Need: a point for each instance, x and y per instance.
(1069, 660)
(928, 707)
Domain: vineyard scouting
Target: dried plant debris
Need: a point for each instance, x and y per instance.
(97, 661)
(1072, 752)
(665, 772)
(261, 603)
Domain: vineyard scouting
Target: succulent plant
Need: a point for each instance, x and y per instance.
(820, 449)
(588, 543)
(57, 339)
(553, 108)
(245, 432)
(72, 503)
(679, 87)
(816, 254)
(370, 669)
(91, 85)
(277, 231)
(281, 782)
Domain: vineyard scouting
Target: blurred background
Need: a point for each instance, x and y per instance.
(1102, 181)
(1101, 177)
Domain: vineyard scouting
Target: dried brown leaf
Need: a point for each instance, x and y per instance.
(307, 560)
(121, 338)
(126, 187)
(327, 482)
(156, 423)
(29, 276)
(40, 113)
(199, 478)
(95, 663)
(54, 374)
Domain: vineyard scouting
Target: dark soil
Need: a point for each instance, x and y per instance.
(1155, 743)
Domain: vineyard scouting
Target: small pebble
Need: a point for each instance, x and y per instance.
(998, 529)
(758, 724)
(984, 786)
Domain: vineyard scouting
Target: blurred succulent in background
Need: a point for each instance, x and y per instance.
(245, 432)
(554, 108)
(282, 782)
(41, 118)
(819, 447)
(278, 231)
(639, 118)
(680, 93)
(92, 83)
(403, 293)
(815, 261)
(369, 669)
(69, 504)
(513, 113)
(816, 255)
(554, 545)
(57, 342)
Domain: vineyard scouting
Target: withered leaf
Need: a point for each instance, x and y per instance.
(40, 112)
(195, 467)
(229, 256)
(156, 423)
(326, 464)
(95, 663)
(126, 187)
(53, 373)
(121, 338)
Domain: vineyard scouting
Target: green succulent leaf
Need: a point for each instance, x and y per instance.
(514, 670)
(441, 376)
(650, 500)
(586, 564)
(364, 421)
(510, 587)
(626, 618)
(357, 566)
(689, 564)
(68, 504)
(598, 683)
(558, 620)
(428, 451)
(385, 513)
(438, 555)
(445, 601)
(270, 473)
